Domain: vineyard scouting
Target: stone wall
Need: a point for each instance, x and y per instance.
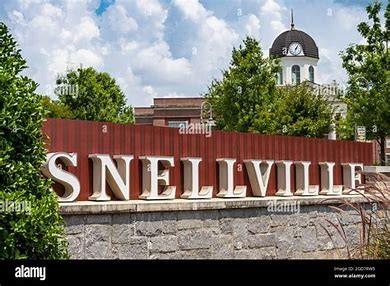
(238, 233)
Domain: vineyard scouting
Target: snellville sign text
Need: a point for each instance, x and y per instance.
(115, 171)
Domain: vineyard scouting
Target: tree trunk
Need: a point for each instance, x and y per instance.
(382, 154)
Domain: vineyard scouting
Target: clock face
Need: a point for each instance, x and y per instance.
(295, 49)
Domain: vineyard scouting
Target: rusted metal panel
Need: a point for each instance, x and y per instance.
(88, 137)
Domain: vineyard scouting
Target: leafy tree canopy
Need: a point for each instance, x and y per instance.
(246, 88)
(96, 97)
(36, 229)
(247, 98)
(298, 111)
(368, 68)
(56, 109)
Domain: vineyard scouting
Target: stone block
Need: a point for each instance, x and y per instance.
(98, 219)
(225, 225)
(259, 225)
(261, 253)
(97, 241)
(137, 248)
(309, 239)
(194, 239)
(122, 228)
(260, 240)
(151, 224)
(222, 247)
(74, 224)
(76, 246)
(166, 243)
(189, 223)
(195, 254)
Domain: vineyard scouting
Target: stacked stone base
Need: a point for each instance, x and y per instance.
(250, 233)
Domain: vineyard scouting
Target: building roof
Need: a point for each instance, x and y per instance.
(180, 102)
(168, 108)
(284, 40)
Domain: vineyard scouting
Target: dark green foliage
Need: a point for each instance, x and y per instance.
(245, 89)
(35, 232)
(368, 67)
(56, 109)
(297, 111)
(247, 99)
(98, 98)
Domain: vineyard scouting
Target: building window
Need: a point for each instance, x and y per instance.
(295, 74)
(177, 123)
(311, 73)
(387, 143)
(279, 76)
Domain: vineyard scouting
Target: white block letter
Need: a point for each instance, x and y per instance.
(152, 177)
(191, 181)
(68, 180)
(259, 172)
(351, 177)
(226, 180)
(303, 188)
(327, 187)
(284, 178)
(104, 170)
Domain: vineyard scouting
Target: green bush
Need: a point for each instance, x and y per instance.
(379, 246)
(37, 230)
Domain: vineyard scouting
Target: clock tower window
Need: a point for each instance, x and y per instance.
(311, 73)
(279, 76)
(295, 74)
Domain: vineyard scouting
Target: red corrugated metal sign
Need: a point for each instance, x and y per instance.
(87, 137)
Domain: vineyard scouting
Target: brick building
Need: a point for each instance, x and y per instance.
(170, 112)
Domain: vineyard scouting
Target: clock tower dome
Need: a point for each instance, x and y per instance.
(298, 55)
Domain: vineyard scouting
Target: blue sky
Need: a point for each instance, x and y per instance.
(157, 48)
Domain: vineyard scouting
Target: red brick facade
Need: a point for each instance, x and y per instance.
(170, 111)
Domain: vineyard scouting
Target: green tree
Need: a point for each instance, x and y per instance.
(247, 98)
(344, 127)
(98, 97)
(56, 109)
(368, 67)
(298, 111)
(246, 88)
(35, 232)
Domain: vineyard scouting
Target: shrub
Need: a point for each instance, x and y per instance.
(36, 231)
(374, 236)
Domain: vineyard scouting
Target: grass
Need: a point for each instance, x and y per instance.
(374, 222)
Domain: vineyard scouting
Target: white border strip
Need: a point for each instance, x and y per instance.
(134, 206)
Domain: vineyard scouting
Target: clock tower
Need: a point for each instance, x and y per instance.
(298, 55)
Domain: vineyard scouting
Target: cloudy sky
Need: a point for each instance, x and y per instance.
(158, 48)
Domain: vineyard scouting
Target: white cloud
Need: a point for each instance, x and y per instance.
(156, 61)
(55, 35)
(87, 30)
(348, 18)
(215, 39)
(192, 10)
(271, 6)
(150, 91)
(271, 11)
(165, 48)
(87, 57)
(252, 26)
(119, 21)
